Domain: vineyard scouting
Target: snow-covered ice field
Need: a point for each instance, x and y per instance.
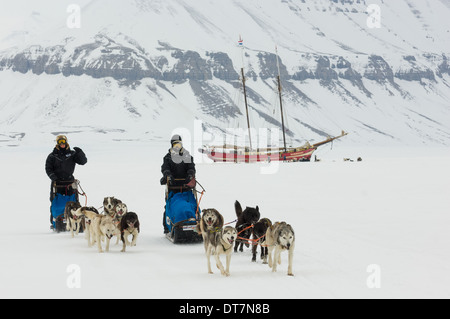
(379, 228)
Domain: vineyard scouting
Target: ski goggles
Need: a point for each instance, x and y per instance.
(177, 145)
(61, 139)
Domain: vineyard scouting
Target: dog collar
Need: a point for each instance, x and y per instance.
(130, 229)
(215, 230)
(225, 249)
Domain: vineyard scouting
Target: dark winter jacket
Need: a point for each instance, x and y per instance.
(178, 166)
(60, 164)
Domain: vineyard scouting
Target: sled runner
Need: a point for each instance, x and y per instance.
(182, 214)
(62, 193)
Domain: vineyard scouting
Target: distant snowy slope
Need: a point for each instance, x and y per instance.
(151, 66)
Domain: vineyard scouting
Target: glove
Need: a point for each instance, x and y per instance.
(167, 178)
(188, 178)
(79, 156)
(190, 181)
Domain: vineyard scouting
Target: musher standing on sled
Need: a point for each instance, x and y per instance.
(178, 167)
(60, 165)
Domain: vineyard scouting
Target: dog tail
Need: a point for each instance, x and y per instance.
(238, 208)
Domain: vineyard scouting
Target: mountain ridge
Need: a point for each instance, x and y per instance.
(179, 71)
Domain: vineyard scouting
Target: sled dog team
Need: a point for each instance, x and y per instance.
(116, 221)
(218, 240)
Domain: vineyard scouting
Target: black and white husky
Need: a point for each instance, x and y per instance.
(280, 237)
(220, 243)
(74, 219)
(245, 220)
(120, 210)
(129, 225)
(109, 205)
(259, 231)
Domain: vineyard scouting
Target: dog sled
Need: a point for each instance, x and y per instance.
(63, 192)
(182, 213)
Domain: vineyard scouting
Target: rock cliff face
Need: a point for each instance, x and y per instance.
(101, 60)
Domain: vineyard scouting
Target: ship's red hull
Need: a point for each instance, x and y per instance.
(252, 157)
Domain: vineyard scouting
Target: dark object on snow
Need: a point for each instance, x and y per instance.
(59, 166)
(246, 219)
(181, 216)
(259, 236)
(178, 165)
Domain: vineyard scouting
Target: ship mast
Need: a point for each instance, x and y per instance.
(241, 44)
(281, 100)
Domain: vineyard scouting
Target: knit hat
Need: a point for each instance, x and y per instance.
(175, 139)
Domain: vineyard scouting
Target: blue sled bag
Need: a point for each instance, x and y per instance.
(59, 204)
(180, 207)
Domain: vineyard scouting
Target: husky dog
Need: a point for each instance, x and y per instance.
(129, 225)
(89, 213)
(259, 235)
(218, 243)
(102, 226)
(120, 210)
(210, 222)
(280, 237)
(73, 220)
(109, 203)
(246, 219)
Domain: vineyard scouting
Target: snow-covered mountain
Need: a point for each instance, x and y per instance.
(138, 69)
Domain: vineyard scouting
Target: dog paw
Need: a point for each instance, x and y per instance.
(291, 274)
